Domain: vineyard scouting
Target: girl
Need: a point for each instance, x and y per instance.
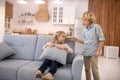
(93, 43)
(58, 41)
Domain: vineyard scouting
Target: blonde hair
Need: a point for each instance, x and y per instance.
(89, 16)
(57, 34)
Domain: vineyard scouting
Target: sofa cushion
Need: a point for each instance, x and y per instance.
(5, 51)
(53, 53)
(64, 73)
(28, 71)
(42, 40)
(24, 45)
(9, 68)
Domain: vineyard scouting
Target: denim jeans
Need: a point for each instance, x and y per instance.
(52, 64)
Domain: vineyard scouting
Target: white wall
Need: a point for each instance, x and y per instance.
(2, 18)
(41, 26)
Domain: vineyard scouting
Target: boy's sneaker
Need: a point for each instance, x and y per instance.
(48, 76)
(38, 74)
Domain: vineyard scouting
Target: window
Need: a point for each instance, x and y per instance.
(7, 25)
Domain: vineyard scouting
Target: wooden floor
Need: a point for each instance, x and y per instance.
(109, 69)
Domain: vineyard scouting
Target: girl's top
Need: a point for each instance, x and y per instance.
(70, 50)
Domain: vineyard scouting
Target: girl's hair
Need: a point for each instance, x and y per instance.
(89, 16)
(57, 34)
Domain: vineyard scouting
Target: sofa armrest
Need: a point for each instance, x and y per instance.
(77, 66)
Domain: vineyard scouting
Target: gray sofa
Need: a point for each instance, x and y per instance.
(25, 63)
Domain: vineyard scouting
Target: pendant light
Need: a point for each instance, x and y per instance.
(22, 1)
(39, 1)
(57, 2)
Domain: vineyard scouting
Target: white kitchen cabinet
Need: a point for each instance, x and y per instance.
(63, 14)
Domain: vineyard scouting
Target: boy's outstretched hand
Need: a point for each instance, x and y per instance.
(78, 40)
(75, 39)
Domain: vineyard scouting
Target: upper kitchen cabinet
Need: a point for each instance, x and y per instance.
(63, 15)
(8, 10)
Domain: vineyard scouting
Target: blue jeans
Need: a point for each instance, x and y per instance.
(52, 64)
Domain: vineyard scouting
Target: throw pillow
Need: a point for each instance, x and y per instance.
(5, 51)
(53, 53)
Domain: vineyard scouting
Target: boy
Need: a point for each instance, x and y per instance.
(93, 43)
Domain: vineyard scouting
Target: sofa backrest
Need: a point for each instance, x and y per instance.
(42, 40)
(30, 47)
(24, 45)
(70, 56)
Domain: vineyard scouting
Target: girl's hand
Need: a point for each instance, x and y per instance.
(49, 44)
(75, 39)
(63, 47)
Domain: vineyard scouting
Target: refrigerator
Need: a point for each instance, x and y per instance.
(78, 34)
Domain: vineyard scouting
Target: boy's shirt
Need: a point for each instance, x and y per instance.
(92, 35)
